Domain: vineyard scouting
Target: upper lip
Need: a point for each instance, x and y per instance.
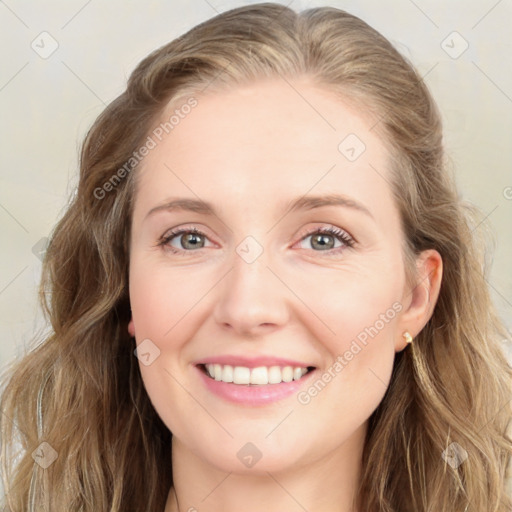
(252, 362)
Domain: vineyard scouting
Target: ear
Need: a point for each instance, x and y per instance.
(131, 328)
(420, 300)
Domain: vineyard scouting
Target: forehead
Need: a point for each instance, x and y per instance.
(266, 139)
(272, 112)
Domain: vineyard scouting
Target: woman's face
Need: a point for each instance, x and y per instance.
(263, 285)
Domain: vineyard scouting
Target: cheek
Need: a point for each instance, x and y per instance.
(353, 304)
(160, 297)
(166, 306)
(349, 318)
(358, 331)
(351, 387)
(337, 305)
(162, 306)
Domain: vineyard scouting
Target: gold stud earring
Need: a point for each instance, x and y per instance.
(407, 336)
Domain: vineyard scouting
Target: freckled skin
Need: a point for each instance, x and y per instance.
(248, 151)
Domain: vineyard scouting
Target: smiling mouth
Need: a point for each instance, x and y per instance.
(259, 376)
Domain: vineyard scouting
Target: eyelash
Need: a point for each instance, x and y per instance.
(341, 235)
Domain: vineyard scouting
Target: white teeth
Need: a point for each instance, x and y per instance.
(258, 376)
(241, 375)
(227, 373)
(274, 375)
(297, 373)
(287, 374)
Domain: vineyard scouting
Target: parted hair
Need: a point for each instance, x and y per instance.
(80, 390)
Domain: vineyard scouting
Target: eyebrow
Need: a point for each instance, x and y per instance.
(301, 203)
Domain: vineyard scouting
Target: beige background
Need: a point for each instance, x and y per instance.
(47, 102)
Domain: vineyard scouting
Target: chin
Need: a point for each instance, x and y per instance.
(253, 457)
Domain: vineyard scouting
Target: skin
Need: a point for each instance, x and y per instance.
(248, 151)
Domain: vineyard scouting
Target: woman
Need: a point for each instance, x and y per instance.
(265, 221)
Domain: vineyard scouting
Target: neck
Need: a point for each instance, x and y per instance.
(328, 484)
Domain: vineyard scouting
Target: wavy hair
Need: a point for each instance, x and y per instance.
(80, 389)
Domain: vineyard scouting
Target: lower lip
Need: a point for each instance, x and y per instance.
(253, 394)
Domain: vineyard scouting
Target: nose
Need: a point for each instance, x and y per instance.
(252, 299)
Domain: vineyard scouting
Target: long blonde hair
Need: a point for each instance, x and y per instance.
(81, 391)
